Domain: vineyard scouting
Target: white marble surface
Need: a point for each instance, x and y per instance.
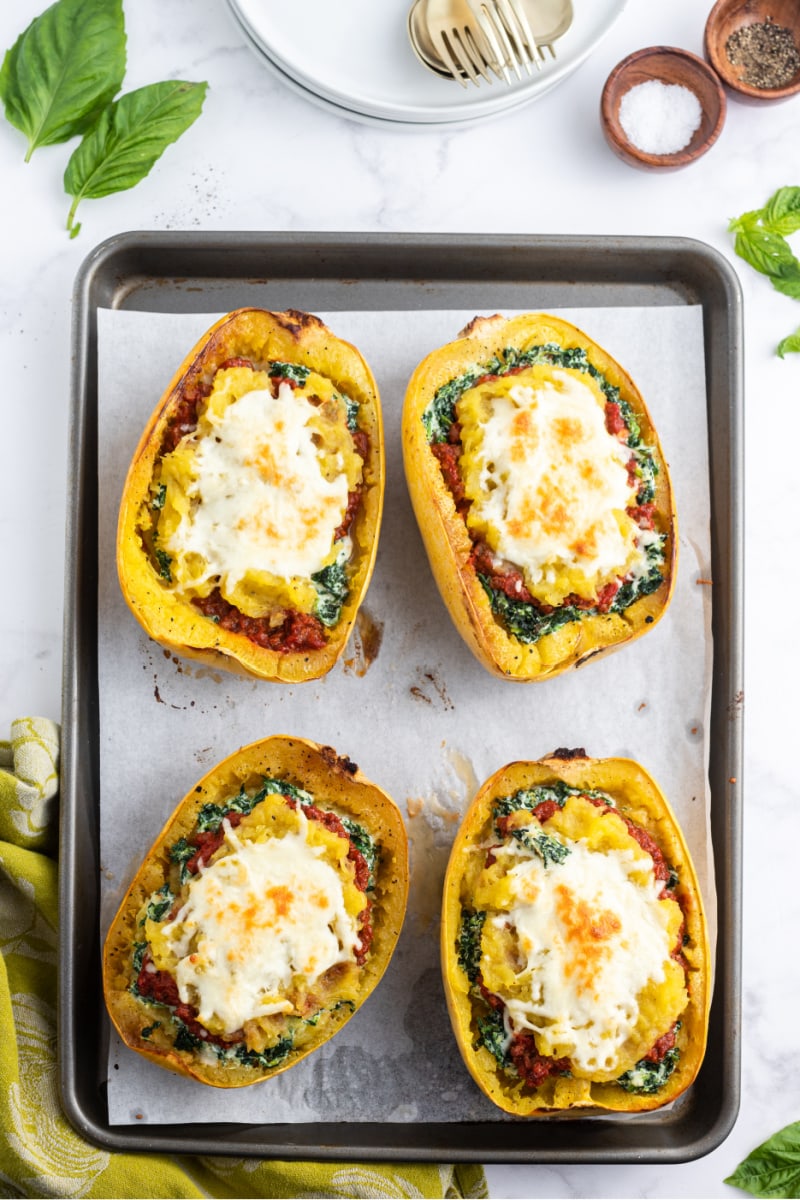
(262, 157)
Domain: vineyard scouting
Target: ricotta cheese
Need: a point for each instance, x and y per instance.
(253, 920)
(259, 500)
(591, 934)
(553, 482)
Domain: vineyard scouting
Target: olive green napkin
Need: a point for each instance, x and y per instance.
(40, 1153)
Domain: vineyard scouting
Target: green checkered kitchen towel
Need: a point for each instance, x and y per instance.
(40, 1153)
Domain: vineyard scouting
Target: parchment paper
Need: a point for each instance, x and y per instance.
(408, 703)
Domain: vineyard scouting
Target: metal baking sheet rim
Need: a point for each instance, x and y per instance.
(123, 268)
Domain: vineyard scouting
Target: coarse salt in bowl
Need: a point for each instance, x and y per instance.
(660, 118)
(662, 107)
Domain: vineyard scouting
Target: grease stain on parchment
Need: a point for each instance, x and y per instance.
(432, 823)
(365, 643)
(183, 668)
(431, 689)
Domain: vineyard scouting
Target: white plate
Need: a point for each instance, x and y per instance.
(363, 118)
(355, 54)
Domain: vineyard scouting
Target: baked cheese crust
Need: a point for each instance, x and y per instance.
(574, 947)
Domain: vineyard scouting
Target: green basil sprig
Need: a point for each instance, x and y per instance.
(63, 70)
(59, 80)
(773, 1168)
(761, 241)
(789, 345)
(129, 138)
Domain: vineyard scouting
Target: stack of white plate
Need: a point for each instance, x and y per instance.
(353, 57)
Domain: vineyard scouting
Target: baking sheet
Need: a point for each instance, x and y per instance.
(206, 272)
(419, 715)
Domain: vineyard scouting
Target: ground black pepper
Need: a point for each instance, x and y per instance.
(767, 52)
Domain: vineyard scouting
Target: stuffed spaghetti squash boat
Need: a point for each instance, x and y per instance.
(574, 948)
(262, 917)
(541, 492)
(250, 515)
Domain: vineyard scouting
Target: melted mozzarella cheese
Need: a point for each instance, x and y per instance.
(591, 934)
(554, 482)
(260, 500)
(252, 921)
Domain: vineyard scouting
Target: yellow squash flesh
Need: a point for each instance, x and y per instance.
(638, 797)
(444, 531)
(166, 614)
(335, 783)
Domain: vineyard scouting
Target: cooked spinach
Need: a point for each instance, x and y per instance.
(440, 413)
(211, 816)
(164, 564)
(528, 623)
(530, 797)
(366, 846)
(158, 908)
(524, 620)
(492, 1034)
(148, 1029)
(645, 584)
(157, 502)
(647, 1077)
(559, 792)
(469, 943)
(352, 408)
(272, 1056)
(180, 852)
(282, 787)
(139, 949)
(294, 371)
(333, 589)
(646, 471)
(185, 1039)
(549, 849)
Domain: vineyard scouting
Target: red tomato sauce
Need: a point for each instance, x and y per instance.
(298, 631)
(534, 1067)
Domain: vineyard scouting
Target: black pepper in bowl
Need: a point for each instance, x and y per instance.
(754, 47)
(766, 52)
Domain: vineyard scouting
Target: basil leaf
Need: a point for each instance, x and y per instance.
(63, 70)
(788, 280)
(767, 252)
(748, 220)
(782, 212)
(761, 241)
(129, 138)
(789, 345)
(773, 1168)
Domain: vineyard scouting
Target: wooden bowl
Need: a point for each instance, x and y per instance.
(728, 16)
(668, 65)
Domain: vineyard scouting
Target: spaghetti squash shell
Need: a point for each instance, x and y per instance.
(333, 780)
(637, 796)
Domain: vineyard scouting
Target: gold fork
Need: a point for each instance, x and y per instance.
(458, 40)
(505, 26)
(549, 20)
